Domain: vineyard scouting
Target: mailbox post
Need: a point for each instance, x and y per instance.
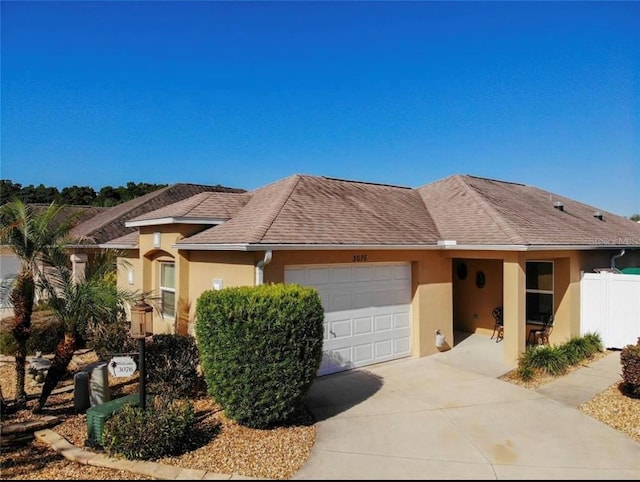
(141, 326)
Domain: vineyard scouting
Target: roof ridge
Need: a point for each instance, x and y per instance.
(491, 212)
(294, 181)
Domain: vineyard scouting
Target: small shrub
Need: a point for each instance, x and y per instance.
(548, 359)
(7, 343)
(172, 363)
(108, 339)
(576, 350)
(45, 334)
(594, 342)
(630, 360)
(525, 373)
(165, 428)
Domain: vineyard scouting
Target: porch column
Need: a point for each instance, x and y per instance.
(78, 265)
(514, 306)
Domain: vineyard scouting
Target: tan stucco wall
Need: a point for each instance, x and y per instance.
(437, 294)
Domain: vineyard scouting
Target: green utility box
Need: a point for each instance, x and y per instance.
(98, 415)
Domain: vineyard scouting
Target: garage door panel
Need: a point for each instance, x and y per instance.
(384, 349)
(340, 329)
(296, 276)
(361, 273)
(363, 354)
(402, 320)
(363, 326)
(384, 272)
(367, 312)
(340, 275)
(317, 276)
(339, 301)
(402, 345)
(383, 323)
(361, 300)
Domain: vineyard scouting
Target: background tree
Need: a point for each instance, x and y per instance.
(78, 195)
(30, 234)
(78, 303)
(39, 194)
(75, 195)
(635, 217)
(8, 190)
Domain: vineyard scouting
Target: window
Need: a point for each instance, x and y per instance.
(168, 289)
(539, 290)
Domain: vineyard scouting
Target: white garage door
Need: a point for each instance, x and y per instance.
(367, 312)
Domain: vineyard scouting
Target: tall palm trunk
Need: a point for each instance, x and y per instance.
(58, 369)
(22, 297)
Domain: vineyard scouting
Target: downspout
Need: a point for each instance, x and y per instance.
(260, 266)
(616, 256)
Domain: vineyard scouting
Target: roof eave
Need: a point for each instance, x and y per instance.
(118, 246)
(396, 247)
(175, 220)
(296, 246)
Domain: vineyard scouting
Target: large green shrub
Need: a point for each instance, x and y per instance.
(172, 363)
(165, 428)
(260, 349)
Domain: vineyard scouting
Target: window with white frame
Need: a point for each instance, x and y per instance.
(539, 290)
(168, 289)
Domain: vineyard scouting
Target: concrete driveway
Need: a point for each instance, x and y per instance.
(447, 416)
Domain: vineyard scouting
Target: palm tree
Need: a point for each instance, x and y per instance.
(30, 234)
(79, 303)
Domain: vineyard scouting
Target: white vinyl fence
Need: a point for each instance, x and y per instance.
(610, 306)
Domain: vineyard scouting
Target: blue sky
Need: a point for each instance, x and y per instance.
(245, 93)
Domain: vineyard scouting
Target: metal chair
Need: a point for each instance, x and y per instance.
(498, 326)
(541, 335)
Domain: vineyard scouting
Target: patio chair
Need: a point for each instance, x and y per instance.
(498, 326)
(541, 335)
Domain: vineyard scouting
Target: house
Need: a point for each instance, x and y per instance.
(95, 225)
(10, 263)
(393, 265)
(111, 222)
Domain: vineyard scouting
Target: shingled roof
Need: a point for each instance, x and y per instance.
(110, 224)
(313, 211)
(478, 211)
(310, 210)
(75, 214)
(213, 206)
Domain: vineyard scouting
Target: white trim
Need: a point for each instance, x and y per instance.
(168, 289)
(301, 247)
(174, 220)
(457, 247)
(118, 246)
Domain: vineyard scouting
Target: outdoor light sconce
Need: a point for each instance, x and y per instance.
(141, 319)
(141, 326)
(156, 239)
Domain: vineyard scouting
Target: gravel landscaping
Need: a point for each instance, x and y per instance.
(226, 447)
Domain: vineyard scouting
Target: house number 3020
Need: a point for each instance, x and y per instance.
(359, 258)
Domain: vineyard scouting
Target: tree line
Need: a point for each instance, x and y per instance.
(74, 195)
